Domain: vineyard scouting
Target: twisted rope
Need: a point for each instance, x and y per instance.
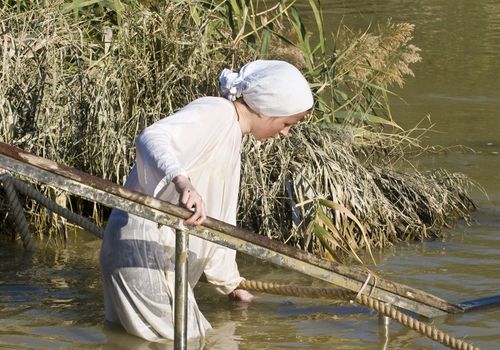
(17, 211)
(31, 192)
(296, 291)
(385, 309)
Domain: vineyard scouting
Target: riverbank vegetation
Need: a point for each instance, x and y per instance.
(80, 79)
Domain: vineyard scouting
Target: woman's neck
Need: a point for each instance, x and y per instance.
(245, 116)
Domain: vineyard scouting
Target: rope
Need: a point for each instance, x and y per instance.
(428, 330)
(383, 308)
(76, 219)
(296, 291)
(17, 211)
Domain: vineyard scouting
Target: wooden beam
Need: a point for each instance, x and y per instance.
(113, 195)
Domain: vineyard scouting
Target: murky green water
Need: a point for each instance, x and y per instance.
(53, 300)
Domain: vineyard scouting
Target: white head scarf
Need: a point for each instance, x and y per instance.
(270, 88)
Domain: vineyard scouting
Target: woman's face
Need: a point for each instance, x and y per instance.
(266, 127)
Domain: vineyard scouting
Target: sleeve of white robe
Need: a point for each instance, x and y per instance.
(222, 270)
(156, 162)
(156, 147)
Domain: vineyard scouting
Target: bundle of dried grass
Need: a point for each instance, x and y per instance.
(317, 190)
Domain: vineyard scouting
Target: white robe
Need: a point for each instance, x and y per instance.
(203, 142)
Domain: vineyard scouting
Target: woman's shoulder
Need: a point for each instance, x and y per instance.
(212, 102)
(209, 108)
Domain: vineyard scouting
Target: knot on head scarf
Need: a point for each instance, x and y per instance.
(270, 88)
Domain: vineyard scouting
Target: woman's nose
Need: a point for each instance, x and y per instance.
(285, 130)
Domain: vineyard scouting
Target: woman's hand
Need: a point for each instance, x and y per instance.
(189, 198)
(241, 295)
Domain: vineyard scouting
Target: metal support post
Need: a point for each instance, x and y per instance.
(181, 289)
(383, 322)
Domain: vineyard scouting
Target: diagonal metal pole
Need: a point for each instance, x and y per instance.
(181, 289)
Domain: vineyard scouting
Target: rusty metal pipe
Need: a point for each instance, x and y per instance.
(95, 189)
(181, 289)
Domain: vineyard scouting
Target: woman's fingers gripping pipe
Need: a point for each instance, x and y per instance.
(189, 198)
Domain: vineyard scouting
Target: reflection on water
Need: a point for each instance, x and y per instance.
(52, 299)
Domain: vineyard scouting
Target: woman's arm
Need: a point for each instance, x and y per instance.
(158, 166)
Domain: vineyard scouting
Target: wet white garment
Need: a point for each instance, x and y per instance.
(203, 142)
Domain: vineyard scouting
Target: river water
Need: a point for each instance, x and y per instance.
(52, 299)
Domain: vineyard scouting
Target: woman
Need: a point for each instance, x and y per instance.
(192, 158)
